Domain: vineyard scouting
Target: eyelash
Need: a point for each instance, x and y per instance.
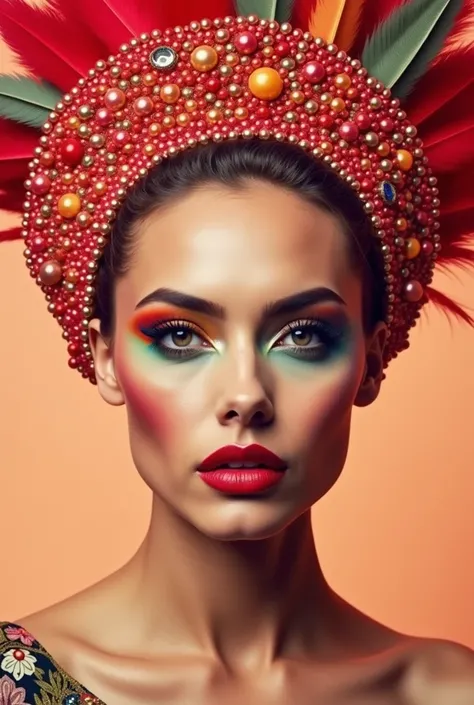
(329, 337)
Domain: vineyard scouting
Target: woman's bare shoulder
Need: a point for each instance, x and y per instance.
(439, 673)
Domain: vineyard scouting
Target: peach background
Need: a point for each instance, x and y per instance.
(395, 535)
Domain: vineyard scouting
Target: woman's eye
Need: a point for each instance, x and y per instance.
(173, 339)
(303, 336)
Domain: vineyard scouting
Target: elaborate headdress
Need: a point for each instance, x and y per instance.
(112, 96)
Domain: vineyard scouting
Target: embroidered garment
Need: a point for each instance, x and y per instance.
(30, 676)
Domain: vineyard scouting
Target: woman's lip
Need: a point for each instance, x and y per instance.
(253, 453)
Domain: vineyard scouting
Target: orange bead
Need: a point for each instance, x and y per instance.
(401, 224)
(383, 149)
(342, 80)
(69, 205)
(404, 159)
(338, 105)
(170, 93)
(413, 247)
(265, 83)
(204, 58)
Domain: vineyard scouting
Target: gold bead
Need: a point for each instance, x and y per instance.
(297, 97)
(69, 205)
(204, 58)
(383, 149)
(170, 93)
(265, 83)
(214, 115)
(183, 119)
(342, 80)
(404, 159)
(241, 113)
(190, 105)
(413, 248)
(338, 105)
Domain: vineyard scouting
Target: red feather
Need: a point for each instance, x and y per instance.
(58, 54)
(11, 234)
(453, 152)
(448, 306)
(456, 192)
(17, 141)
(12, 200)
(454, 254)
(457, 225)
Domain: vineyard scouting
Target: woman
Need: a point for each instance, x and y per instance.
(239, 297)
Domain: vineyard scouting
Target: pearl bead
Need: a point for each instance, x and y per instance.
(50, 273)
(338, 105)
(413, 291)
(246, 43)
(104, 117)
(69, 205)
(170, 93)
(404, 159)
(314, 72)
(115, 99)
(349, 131)
(265, 83)
(40, 185)
(204, 58)
(143, 106)
(72, 151)
(342, 80)
(413, 248)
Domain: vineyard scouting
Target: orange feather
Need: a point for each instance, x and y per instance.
(325, 17)
(349, 25)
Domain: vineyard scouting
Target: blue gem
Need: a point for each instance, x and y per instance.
(73, 699)
(163, 58)
(387, 191)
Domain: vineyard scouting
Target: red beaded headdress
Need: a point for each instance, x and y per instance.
(112, 97)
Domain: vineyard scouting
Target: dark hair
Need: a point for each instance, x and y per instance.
(233, 164)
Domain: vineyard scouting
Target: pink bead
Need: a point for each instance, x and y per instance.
(413, 291)
(104, 117)
(143, 106)
(115, 99)
(314, 72)
(246, 43)
(40, 185)
(349, 131)
(427, 247)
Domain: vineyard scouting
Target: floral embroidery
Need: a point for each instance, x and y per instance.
(43, 682)
(10, 693)
(18, 662)
(15, 633)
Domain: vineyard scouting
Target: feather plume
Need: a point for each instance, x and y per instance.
(265, 9)
(12, 201)
(10, 234)
(453, 152)
(373, 14)
(445, 81)
(462, 37)
(325, 17)
(349, 25)
(26, 101)
(428, 51)
(448, 306)
(284, 10)
(16, 141)
(458, 225)
(38, 37)
(455, 254)
(397, 41)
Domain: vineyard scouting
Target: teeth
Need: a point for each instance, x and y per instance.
(243, 465)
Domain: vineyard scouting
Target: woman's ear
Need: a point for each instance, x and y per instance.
(374, 368)
(102, 352)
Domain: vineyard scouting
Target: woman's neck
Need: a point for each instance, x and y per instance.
(253, 600)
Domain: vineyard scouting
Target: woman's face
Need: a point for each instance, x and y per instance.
(239, 322)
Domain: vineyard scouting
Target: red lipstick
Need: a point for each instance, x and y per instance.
(242, 470)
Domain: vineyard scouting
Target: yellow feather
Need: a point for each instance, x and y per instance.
(325, 17)
(349, 24)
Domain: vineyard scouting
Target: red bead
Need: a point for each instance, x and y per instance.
(363, 121)
(427, 247)
(349, 131)
(282, 49)
(213, 85)
(72, 151)
(246, 43)
(386, 125)
(314, 72)
(413, 291)
(40, 184)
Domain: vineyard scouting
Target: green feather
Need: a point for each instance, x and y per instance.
(393, 46)
(429, 51)
(284, 10)
(279, 10)
(26, 101)
(265, 9)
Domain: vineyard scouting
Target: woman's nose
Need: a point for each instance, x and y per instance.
(244, 397)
